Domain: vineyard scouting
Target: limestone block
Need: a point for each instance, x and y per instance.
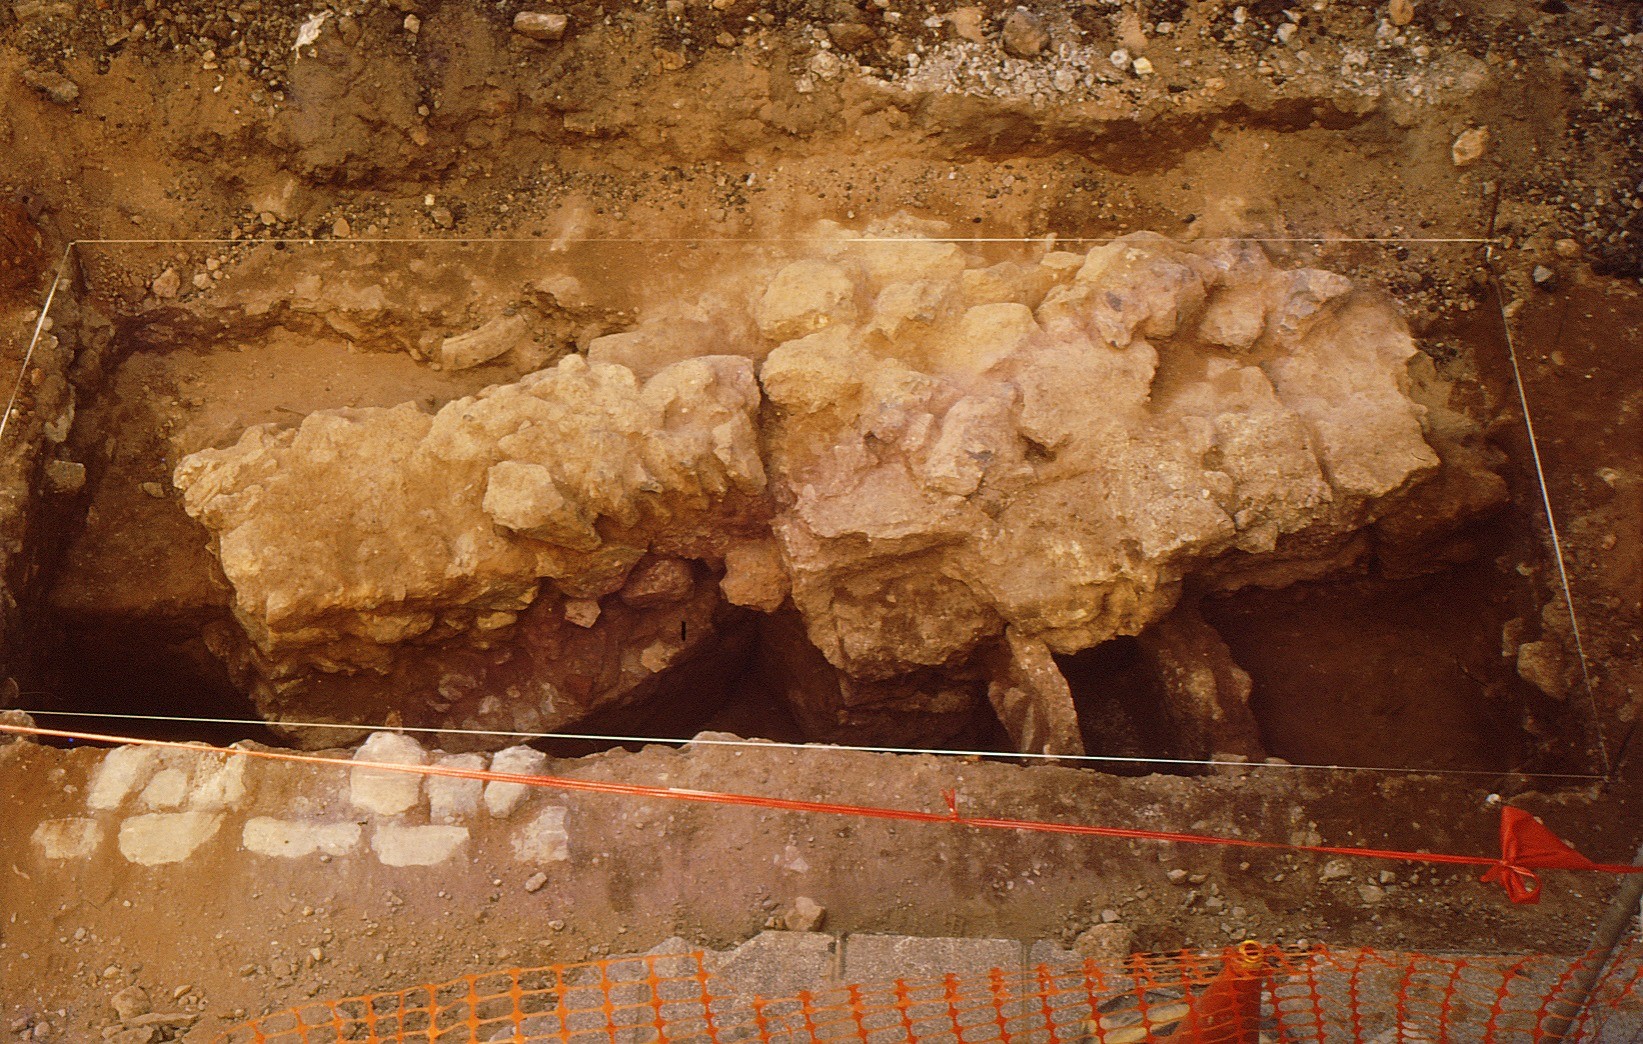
(122, 771)
(386, 792)
(502, 798)
(166, 837)
(295, 838)
(397, 845)
(543, 839)
(68, 838)
(451, 798)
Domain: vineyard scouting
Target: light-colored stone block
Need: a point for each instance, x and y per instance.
(123, 770)
(382, 791)
(68, 838)
(503, 798)
(166, 837)
(166, 790)
(399, 845)
(451, 798)
(294, 838)
(543, 839)
(219, 780)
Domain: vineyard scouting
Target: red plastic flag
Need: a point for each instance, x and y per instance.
(1526, 846)
(1229, 1012)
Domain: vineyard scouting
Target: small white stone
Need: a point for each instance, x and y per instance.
(166, 285)
(543, 839)
(538, 25)
(416, 845)
(501, 798)
(1142, 67)
(123, 770)
(1120, 59)
(291, 839)
(68, 838)
(1470, 146)
(387, 793)
(450, 797)
(166, 790)
(166, 837)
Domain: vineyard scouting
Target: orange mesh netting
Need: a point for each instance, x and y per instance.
(1252, 994)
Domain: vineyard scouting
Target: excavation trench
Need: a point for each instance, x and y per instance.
(1389, 661)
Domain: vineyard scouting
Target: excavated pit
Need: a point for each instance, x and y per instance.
(1390, 659)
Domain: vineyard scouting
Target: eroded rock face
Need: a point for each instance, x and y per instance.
(946, 471)
(458, 557)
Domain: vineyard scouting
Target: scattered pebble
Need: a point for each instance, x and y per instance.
(54, 85)
(535, 882)
(1334, 870)
(540, 25)
(968, 23)
(166, 284)
(805, 915)
(1024, 34)
(130, 1003)
(1470, 146)
(1401, 12)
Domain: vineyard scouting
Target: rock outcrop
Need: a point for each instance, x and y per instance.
(939, 471)
(518, 559)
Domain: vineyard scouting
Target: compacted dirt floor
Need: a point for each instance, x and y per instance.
(1505, 134)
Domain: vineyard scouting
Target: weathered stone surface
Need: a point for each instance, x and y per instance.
(501, 797)
(1205, 695)
(293, 838)
(1033, 700)
(946, 471)
(68, 838)
(1162, 409)
(456, 542)
(386, 792)
(166, 837)
(485, 342)
(451, 798)
(166, 790)
(878, 958)
(121, 772)
(543, 839)
(398, 845)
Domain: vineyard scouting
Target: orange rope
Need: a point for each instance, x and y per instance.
(952, 817)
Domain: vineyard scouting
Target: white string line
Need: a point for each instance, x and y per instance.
(768, 744)
(1551, 519)
(39, 328)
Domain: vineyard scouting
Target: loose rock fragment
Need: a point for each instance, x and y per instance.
(1024, 34)
(1470, 146)
(540, 25)
(131, 1002)
(805, 915)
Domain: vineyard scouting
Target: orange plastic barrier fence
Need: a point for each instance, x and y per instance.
(1251, 994)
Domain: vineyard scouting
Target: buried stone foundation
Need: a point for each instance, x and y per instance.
(905, 482)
